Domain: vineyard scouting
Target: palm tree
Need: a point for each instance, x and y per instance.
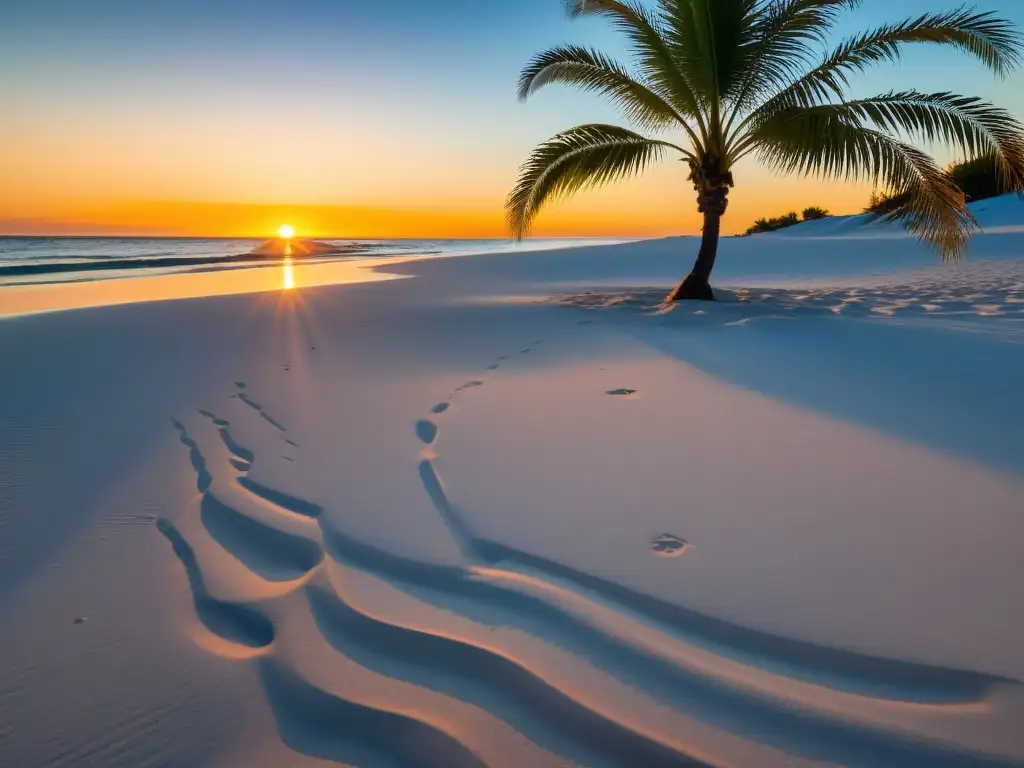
(758, 77)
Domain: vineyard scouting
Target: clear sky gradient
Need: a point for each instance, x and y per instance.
(383, 118)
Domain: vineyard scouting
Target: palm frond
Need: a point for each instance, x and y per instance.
(974, 126)
(784, 35)
(582, 157)
(709, 40)
(652, 54)
(993, 41)
(593, 71)
(827, 144)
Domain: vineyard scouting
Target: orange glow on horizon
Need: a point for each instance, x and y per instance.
(631, 210)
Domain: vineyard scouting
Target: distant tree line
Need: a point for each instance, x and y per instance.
(781, 222)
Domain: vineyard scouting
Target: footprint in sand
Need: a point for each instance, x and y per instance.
(667, 545)
(250, 402)
(203, 477)
(256, 406)
(621, 392)
(426, 431)
(219, 422)
(243, 454)
(229, 621)
(273, 422)
(272, 553)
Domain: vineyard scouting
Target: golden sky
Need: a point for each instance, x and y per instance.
(659, 204)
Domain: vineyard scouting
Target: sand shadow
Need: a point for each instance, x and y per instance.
(234, 623)
(873, 356)
(271, 553)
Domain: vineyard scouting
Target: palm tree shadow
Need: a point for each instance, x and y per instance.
(940, 366)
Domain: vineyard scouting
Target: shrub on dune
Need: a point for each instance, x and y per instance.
(770, 225)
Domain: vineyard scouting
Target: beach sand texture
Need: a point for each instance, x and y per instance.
(509, 511)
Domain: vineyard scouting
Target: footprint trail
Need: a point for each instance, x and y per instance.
(875, 679)
(722, 675)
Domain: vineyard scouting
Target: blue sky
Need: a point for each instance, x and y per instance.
(442, 52)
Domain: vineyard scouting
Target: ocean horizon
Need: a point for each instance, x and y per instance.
(34, 259)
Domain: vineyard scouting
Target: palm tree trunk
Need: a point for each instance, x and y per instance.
(697, 285)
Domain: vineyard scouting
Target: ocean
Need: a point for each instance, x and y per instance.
(28, 260)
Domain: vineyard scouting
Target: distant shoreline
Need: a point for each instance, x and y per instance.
(41, 259)
(165, 262)
(99, 265)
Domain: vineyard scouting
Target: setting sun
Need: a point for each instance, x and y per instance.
(287, 231)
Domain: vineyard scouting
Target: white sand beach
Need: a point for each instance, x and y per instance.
(507, 511)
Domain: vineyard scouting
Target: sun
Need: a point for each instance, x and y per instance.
(287, 231)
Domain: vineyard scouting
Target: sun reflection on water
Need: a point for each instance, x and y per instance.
(288, 282)
(51, 297)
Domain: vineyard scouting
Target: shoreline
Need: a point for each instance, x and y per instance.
(316, 251)
(64, 296)
(17, 299)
